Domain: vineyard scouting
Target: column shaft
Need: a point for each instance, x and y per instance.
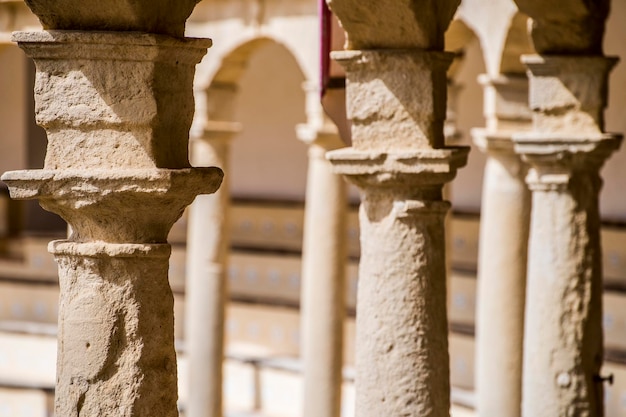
(116, 331)
(402, 334)
(563, 347)
(323, 293)
(505, 218)
(206, 284)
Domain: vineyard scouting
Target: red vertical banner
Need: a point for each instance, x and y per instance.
(325, 44)
(332, 75)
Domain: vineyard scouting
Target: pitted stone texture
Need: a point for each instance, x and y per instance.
(154, 16)
(401, 337)
(394, 24)
(427, 167)
(116, 352)
(126, 96)
(396, 98)
(401, 343)
(568, 94)
(563, 338)
(125, 206)
(567, 27)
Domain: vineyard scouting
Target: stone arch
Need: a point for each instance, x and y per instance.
(266, 107)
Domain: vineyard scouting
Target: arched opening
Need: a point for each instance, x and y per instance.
(267, 160)
(464, 71)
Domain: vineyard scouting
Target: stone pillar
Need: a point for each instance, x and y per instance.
(117, 107)
(397, 104)
(505, 217)
(453, 137)
(563, 347)
(206, 283)
(323, 274)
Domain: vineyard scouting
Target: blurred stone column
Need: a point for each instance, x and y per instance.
(504, 223)
(563, 349)
(453, 137)
(324, 255)
(206, 288)
(117, 107)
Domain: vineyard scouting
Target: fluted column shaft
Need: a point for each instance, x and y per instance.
(324, 252)
(504, 224)
(206, 283)
(399, 161)
(117, 108)
(563, 347)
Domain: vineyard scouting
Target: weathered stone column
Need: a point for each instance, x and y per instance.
(399, 162)
(117, 107)
(505, 218)
(563, 348)
(323, 274)
(206, 283)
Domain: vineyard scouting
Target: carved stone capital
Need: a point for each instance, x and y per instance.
(427, 168)
(113, 100)
(386, 114)
(397, 24)
(568, 94)
(152, 16)
(123, 206)
(555, 159)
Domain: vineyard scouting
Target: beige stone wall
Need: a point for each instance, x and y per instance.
(13, 128)
(267, 160)
(612, 201)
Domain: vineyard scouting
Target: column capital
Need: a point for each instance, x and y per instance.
(152, 16)
(385, 114)
(117, 109)
(122, 206)
(399, 170)
(568, 94)
(113, 100)
(555, 159)
(399, 24)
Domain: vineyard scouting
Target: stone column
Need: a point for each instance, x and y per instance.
(505, 217)
(323, 274)
(117, 107)
(206, 283)
(397, 104)
(452, 136)
(563, 347)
